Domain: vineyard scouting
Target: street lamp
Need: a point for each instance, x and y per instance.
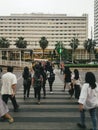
(60, 51)
(73, 50)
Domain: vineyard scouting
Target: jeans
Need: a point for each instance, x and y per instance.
(93, 116)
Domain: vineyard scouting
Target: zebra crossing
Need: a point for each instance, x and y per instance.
(56, 112)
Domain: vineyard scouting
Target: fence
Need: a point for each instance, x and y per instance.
(15, 63)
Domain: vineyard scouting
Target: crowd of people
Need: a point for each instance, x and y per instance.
(86, 93)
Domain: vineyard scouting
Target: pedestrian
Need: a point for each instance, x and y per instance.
(26, 82)
(76, 80)
(88, 100)
(51, 78)
(44, 75)
(67, 78)
(37, 83)
(0, 72)
(62, 68)
(8, 89)
(4, 112)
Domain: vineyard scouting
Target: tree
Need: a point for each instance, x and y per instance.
(4, 43)
(21, 43)
(43, 44)
(74, 45)
(89, 46)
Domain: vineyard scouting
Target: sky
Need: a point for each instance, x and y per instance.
(69, 7)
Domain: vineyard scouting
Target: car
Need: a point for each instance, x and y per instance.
(93, 62)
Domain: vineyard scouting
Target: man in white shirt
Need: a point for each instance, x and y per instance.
(8, 89)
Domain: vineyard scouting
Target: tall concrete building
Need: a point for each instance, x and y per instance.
(96, 20)
(55, 27)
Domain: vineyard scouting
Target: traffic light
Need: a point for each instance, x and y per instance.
(60, 50)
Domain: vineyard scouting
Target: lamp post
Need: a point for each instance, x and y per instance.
(73, 52)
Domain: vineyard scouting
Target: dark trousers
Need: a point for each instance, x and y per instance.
(5, 98)
(27, 86)
(50, 84)
(37, 92)
(77, 91)
(44, 89)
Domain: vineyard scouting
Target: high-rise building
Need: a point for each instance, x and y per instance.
(96, 20)
(55, 27)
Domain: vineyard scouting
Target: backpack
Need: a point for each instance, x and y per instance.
(52, 75)
(37, 81)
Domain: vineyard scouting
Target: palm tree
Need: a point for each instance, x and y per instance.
(89, 45)
(21, 43)
(43, 44)
(74, 45)
(4, 43)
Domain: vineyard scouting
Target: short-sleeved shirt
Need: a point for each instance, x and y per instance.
(68, 76)
(8, 79)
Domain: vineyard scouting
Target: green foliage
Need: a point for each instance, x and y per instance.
(89, 45)
(74, 43)
(43, 44)
(4, 43)
(21, 43)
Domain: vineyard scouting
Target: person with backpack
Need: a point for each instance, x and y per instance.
(51, 78)
(44, 75)
(26, 81)
(37, 81)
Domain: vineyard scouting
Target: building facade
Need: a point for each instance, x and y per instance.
(96, 20)
(55, 27)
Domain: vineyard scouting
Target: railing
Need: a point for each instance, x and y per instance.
(15, 63)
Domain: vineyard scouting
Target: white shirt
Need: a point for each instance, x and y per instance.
(8, 79)
(78, 81)
(88, 96)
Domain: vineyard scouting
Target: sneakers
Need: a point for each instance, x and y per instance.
(38, 102)
(51, 92)
(44, 97)
(10, 120)
(16, 109)
(81, 126)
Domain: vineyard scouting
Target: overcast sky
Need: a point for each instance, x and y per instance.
(69, 7)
